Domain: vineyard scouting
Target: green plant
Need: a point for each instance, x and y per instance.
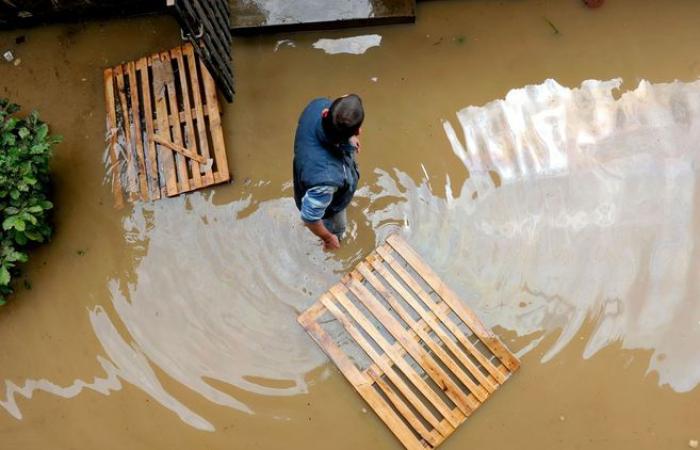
(25, 151)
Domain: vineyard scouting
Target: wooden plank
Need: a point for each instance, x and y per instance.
(165, 155)
(405, 315)
(138, 137)
(187, 109)
(217, 133)
(418, 353)
(441, 314)
(435, 327)
(131, 176)
(200, 112)
(183, 177)
(364, 387)
(485, 335)
(444, 428)
(112, 134)
(154, 178)
(339, 292)
(431, 436)
(398, 348)
(187, 153)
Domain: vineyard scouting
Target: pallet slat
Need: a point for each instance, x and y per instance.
(488, 338)
(159, 125)
(382, 300)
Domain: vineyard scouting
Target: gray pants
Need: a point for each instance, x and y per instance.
(337, 224)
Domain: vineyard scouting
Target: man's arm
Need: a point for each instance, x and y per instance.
(313, 208)
(330, 240)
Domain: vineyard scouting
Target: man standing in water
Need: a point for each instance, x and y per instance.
(325, 171)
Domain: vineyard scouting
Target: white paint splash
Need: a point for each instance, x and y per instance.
(353, 45)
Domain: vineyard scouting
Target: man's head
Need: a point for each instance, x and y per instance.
(344, 118)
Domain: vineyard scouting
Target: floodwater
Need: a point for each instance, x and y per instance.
(564, 211)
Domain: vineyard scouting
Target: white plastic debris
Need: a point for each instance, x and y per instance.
(17, 61)
(374, 79)
(693, 443)
(284, 43)
(353, 45)
(9, 56)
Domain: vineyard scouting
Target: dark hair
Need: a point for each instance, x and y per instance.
(344, 118)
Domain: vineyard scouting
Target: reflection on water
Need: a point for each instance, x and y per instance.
(578, 205)
(596, 215)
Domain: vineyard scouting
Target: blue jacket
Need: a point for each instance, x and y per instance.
(318, 162)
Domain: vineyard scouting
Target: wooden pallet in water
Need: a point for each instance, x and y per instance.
(430, 362)
(163, 127)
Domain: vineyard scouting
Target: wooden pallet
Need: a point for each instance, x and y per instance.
(430, 361)
(163, 127)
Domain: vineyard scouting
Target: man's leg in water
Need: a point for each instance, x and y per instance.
(337, 224)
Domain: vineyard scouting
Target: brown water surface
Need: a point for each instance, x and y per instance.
(566, 215)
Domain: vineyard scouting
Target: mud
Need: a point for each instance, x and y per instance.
(565, 213)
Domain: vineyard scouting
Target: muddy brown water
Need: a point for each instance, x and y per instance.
(566, 216)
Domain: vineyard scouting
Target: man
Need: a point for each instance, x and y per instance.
(325, 171)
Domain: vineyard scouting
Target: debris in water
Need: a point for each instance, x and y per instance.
(593, 3)
(284, 43)
(554, 27)
(374, 79)
(17, 62)
(460, 39)
(562, 418)
(20, 39)
(353, 45)
(80, 252)
(9, 56)
(693, 443)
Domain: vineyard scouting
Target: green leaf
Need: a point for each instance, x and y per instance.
(14, 194)
(41, 132)
(20, 238)
(9, 222)
(4, 276)
(34, 236)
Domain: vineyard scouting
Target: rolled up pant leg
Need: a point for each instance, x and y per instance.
(337, 224)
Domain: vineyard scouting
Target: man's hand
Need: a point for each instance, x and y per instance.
(355, 141)
(330, 240)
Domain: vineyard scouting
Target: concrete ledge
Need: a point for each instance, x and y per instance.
(271, 16)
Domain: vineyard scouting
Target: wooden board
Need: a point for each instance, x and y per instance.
(429, 361)
(164, 132)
